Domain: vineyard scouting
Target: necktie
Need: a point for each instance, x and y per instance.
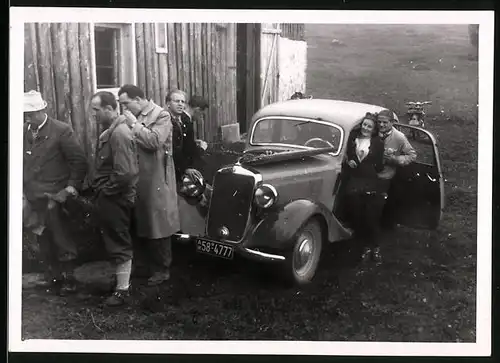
(32, 135)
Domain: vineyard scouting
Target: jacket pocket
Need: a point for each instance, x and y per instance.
(103, 156)
(167, 165)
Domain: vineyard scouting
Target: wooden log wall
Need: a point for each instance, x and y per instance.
(58, 63)
(269, 54)
(292, 67)
(293, 31)
(201, 60)
(283, 62)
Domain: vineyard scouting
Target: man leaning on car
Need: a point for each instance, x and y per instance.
(187, 150)
(397, 151)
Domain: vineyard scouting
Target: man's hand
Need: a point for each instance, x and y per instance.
(130, 118)
(201, 144)
(62, 195)
(390, 156)
(390, 159)
(389, 152)
(193, 174)
(352, 163)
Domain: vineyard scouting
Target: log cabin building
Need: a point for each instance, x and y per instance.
(238, 68)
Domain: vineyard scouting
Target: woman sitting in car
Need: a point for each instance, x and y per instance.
(364, 191)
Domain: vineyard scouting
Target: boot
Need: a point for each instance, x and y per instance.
(68, 285)
(365, 256)
(377, 256)
(159, 277)
(122, 290)
(48, 282)
(118, 298)
(52, 279)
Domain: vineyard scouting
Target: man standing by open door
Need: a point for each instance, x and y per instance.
(156, 215)
(398, 152)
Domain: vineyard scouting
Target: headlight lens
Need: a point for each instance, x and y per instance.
(192, 184)
(265, 196)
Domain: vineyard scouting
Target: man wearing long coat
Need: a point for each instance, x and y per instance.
(156, 214)
(54, 166)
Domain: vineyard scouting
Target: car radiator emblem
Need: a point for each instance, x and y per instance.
(223, 231)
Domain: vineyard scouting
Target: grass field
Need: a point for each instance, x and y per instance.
(424, 291)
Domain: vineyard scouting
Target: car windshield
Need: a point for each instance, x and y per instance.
(297, 132)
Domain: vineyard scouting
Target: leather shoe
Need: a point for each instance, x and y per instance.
(118, 298)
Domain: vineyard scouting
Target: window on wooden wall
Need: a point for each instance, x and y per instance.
(114, 56)
(107, 57)
(161, 38)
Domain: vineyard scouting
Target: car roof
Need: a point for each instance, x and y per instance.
(343, 113)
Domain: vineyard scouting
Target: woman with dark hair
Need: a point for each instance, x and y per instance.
(365, 192)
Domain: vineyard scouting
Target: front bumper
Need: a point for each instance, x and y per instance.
(249, 253)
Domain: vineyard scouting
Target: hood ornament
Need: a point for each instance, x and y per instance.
(223, 232)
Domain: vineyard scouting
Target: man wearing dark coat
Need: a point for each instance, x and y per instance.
(187, 153)
(156, 214)
(54, 167)
(115, 181)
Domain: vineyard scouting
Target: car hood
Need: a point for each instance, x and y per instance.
(254, 158)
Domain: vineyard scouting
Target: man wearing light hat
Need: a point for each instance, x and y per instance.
(54, 166)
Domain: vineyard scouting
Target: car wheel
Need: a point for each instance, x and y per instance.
(303, 260)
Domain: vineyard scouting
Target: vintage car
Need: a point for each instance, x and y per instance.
(280, 201)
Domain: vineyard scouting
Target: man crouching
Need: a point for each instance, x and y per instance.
(115, 179)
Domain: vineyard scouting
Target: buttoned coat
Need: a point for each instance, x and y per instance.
(186, 152)
(156, 211)
(364, 177)
(116, 167)
(53, 161)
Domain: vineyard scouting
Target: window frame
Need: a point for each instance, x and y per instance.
(158, 48)
(127, 62)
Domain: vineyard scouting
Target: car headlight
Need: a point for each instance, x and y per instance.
(192, 183)
(265, 196)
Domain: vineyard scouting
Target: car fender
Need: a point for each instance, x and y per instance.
(279, 227)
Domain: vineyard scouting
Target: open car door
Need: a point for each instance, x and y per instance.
(416, 196)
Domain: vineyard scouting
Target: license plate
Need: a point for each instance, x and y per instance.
(214, 249)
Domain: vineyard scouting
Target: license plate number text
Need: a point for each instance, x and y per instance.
(214, 249)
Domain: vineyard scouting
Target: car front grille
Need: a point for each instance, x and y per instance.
(230, 205)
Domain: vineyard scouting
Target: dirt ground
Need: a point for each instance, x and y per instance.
(425, 289)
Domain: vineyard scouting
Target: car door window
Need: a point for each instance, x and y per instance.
(422, 144)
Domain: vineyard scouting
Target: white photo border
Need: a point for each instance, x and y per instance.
(485, 19)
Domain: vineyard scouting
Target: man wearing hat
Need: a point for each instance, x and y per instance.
(54, 166)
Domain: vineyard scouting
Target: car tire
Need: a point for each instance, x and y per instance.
(299, 267)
